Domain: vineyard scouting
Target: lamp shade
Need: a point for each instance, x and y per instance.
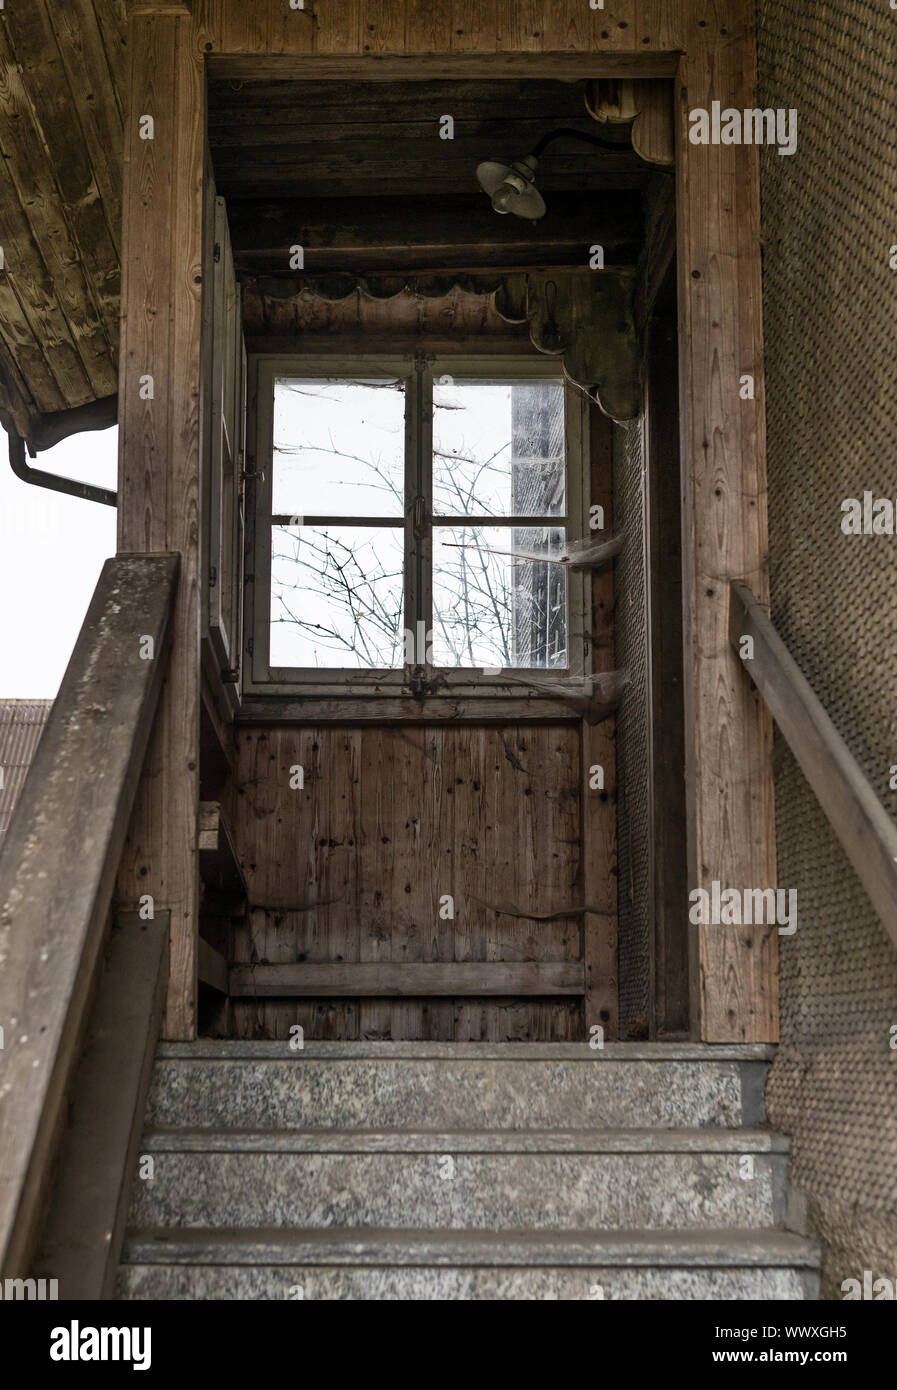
(512, 187)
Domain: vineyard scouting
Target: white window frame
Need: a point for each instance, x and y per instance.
(418, 371)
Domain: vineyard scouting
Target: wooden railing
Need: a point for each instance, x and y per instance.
(865, 830)
(57, 874)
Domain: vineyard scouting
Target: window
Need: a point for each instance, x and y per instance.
(411, 518)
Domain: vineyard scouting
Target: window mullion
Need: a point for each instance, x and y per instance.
(417, 524)
(425, 491)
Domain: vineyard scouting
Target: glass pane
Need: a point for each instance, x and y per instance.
(498, 447)
(337, 596)
(496, 602)
(339, 447)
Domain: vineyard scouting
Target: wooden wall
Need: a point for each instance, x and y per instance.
(352, 868)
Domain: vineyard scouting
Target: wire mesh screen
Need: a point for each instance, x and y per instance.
(633, 766)
(829, 224)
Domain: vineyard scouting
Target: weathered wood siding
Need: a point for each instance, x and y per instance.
(62, 83)
(159, 461)
(487, 27)
(352, 867)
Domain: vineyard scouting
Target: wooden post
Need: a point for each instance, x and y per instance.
(728, 733)
(159, 456)
(669, 873)
(599, 821)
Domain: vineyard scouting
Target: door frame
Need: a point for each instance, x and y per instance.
(709, 51)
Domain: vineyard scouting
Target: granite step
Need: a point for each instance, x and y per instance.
(421, 1265)
(462, 1171)
(498, 1180)
(456, 1085)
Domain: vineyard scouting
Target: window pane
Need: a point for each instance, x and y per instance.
(337, 596)
(498, 447)
(339, 447)
(495, 602)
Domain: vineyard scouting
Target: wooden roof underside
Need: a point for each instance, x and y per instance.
(357, 174)
(62, 80)
(357, 170)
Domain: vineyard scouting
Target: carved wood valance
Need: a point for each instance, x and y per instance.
(584, 317)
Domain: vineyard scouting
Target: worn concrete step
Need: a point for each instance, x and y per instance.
(438, 1264)
(500, 1180)
(456, 1085)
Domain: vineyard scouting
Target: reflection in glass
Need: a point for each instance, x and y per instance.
(496, 602)
(498, 447)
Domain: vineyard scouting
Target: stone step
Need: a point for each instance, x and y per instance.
(460, 1265)
(492, 1180)
(452, 1086)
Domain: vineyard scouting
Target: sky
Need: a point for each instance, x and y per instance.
(52, 549)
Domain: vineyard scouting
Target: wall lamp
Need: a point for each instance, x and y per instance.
(512, 187)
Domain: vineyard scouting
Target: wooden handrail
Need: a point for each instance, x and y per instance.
(867, 834)
(58, 868)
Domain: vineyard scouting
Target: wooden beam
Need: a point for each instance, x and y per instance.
(406, 236)
(867, 833)
(348, 341)
(159, 455)
(58, 867)
(81, 1242)
(431, 709)
(471, 30)
(728, 733)
(392, 67)
(381, 978)
(240, 177)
